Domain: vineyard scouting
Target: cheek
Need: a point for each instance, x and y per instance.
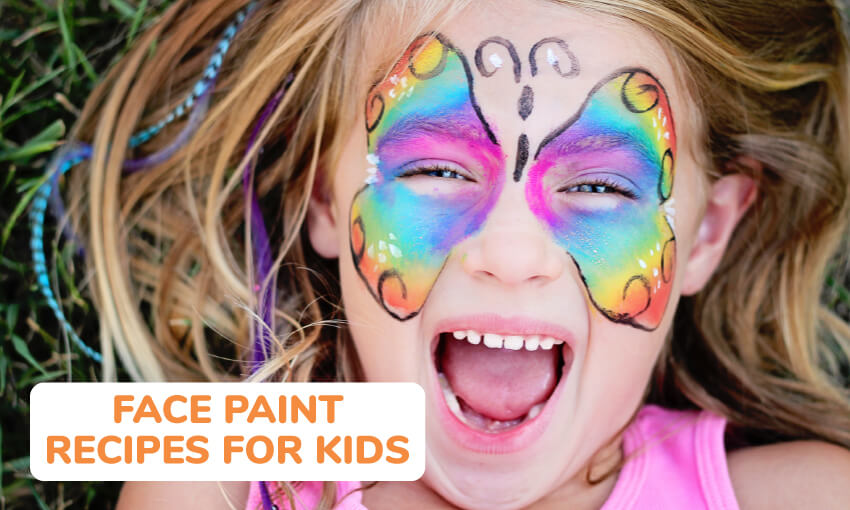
(616, 371)
(374, 335)
(400, 240)
(625, 253)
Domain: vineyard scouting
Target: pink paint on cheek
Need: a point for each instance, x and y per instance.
(536, 195)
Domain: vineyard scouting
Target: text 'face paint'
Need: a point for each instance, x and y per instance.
(601, 183)
(436, 171)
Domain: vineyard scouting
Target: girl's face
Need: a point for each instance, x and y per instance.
(513, 215)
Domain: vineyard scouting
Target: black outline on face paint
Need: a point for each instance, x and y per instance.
(390, 273)
(358, 222)
(479, 57)
(667, 154)
(664, 274)
(575, 69)
(642, 279)
(646, 88)
(525, 103)
(521, 156)
(441, 65)
(447, 47)
(369, 128)
(631, 71)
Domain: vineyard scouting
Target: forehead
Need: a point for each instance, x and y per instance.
(586, 46)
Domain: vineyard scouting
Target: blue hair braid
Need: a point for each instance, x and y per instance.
(76, 153)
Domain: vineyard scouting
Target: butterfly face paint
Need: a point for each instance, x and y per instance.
(601, 183)
(422, 120)
(622, 242)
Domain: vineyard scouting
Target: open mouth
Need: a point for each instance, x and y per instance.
(497, 382)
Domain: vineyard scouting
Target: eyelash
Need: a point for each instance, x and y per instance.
(598, 185)
(442, 172)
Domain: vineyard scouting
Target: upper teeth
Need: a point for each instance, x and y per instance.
(513, 342)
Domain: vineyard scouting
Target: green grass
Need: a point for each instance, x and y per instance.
(52, 53)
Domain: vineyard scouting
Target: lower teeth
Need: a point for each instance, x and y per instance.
(470, 417)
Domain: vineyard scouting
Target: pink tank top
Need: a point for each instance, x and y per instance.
(675, 459)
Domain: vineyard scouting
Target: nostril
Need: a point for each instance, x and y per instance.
(540, 278)
(512, 257)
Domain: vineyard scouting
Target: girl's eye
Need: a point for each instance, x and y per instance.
(591, 188)
(438, 169)
(444, 173)
(601, 186)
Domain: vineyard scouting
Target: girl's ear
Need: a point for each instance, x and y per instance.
(728, 200)
(321, 221)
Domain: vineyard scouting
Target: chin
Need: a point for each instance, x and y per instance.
(481, 487)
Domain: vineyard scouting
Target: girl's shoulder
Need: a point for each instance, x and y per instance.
(793, 475)
(678, 459)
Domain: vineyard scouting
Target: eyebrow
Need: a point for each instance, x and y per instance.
(598, 142)
(441, 125)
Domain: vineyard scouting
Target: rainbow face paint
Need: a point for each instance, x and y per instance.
(422, 116)
(601, 183)
(625, 250)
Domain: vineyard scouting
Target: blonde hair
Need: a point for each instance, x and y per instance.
(171, 256)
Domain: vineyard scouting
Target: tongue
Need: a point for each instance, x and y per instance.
(501, 384)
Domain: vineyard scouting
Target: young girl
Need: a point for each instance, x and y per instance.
(594, 232)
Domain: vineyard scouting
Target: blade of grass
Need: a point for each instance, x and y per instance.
(87, 67)
(43, 6)
(45, 141)
(2, 464)
(13, 488)
(48, 376)
(17, 267)
(137, 21)
(41, 504)
(50, 26)
(65, 274)
(15, 84)
(123, 8)
(10, 175)
(843, 293)
(47, 337)
(34, 31)
(12, 310)
(4, 364)
(12, 101)
(21, 348)
(26, 109)
(67, 38)
(17, 212)
(19, 464)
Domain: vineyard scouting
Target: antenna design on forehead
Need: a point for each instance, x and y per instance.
(74, 153)
(525, 103)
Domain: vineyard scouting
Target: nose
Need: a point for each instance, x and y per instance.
(512, 247)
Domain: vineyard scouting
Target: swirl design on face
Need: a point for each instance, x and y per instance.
(624, 245)
(423, 116)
